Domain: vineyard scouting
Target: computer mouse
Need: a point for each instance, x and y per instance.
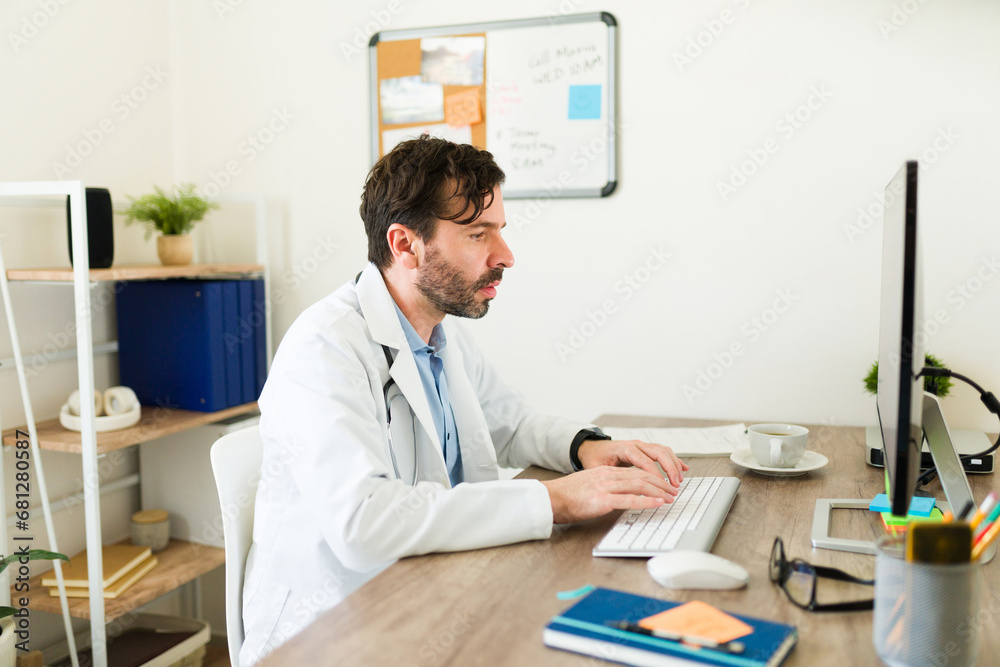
(696, 570)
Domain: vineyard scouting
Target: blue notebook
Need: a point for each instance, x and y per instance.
(583, 629)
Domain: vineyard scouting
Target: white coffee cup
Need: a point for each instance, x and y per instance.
(778, 445)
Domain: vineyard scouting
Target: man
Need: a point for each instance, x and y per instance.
(383, 424)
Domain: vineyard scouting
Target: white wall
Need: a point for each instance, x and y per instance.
(889, 80)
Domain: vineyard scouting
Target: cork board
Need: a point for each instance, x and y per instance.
(537, 93)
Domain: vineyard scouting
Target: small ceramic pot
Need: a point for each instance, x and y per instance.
(174, 249)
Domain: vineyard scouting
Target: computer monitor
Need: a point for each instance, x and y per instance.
(906, 413)
(900, 396)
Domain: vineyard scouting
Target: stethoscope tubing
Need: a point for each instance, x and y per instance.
(388, 424)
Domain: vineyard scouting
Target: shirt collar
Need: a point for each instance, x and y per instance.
(438, 339)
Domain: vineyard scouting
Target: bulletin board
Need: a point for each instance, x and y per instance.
(537, 93)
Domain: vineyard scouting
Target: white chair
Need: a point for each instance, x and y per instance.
(236, 461)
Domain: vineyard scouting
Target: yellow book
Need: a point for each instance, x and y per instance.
(119, 560)
(117, 589)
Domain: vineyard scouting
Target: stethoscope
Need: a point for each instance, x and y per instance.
(388, 415)
(388, 423)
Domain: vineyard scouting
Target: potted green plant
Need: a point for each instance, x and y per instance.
(937, 386)
(173, 216)
(8, 638)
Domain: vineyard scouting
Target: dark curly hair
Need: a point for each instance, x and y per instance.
(420, 182)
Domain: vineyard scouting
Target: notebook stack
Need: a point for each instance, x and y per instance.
(124, 564)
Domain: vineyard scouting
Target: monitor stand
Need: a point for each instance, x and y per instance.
(948, 464)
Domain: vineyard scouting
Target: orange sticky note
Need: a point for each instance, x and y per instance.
(698, 619)
(462, 108)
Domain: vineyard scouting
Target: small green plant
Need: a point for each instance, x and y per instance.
(32, 554)
(169, 215)
(937, 386)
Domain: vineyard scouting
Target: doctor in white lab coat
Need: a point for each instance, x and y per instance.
(356, 462)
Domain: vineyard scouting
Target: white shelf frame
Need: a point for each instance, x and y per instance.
(35, 193)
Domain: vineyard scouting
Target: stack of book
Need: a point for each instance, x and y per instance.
(124, 564)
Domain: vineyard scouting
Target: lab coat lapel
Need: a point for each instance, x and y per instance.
(383, 324)
(479, 459)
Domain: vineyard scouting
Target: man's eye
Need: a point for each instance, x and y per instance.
(479, 235)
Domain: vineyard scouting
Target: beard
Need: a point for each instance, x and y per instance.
(444, 286)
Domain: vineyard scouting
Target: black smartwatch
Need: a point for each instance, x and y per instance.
(574, 448)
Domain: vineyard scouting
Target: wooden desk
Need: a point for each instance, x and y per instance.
(489, 607)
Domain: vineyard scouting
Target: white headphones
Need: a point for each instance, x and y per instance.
(114, 401)
(116, 408)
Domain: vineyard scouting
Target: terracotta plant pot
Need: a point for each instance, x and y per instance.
(174, 249)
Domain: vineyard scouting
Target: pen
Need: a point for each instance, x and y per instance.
(984, 509)
(726, 647)
(984, 541)
(985, 524)
(969, 506)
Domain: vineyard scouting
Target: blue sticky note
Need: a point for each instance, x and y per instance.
(880, 503)
(585, 102)
(919, 506)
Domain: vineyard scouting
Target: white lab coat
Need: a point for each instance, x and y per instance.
(330, 513)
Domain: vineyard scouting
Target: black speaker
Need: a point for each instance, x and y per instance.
(100, 235)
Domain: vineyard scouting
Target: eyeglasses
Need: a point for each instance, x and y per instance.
(798, 579)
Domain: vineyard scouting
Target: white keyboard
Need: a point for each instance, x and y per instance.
(690, 522)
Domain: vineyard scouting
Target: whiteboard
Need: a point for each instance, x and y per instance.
(548, 114)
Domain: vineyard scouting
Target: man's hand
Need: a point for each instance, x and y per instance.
(594, 453)
(597, 491)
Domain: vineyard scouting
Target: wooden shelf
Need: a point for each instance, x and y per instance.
(136, 272)
(178, 564)
(154, 423)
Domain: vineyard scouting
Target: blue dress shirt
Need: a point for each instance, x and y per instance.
(430, 367)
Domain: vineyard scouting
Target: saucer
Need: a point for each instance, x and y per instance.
(810, 461)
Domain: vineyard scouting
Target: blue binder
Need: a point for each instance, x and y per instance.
(259, 323)
(232, 343)
(171, 343)
(248, 363)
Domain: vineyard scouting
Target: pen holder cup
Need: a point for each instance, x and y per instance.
(925, 613)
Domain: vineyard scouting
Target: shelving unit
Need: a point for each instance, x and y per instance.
(181, 562)
(136, 272)
(154, 423)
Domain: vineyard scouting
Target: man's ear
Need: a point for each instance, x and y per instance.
(404, 245)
